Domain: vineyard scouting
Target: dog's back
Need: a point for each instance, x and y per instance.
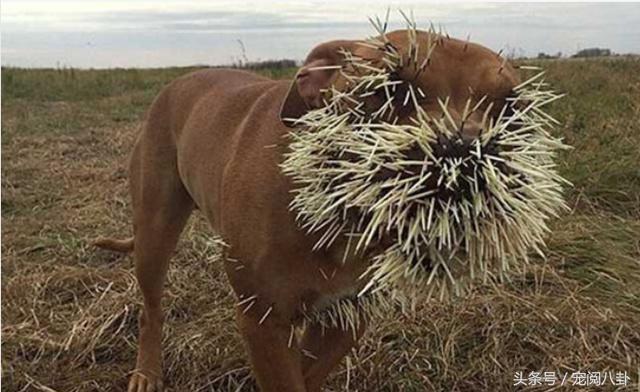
(205, 93)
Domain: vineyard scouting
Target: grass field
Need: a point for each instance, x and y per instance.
(69, 311)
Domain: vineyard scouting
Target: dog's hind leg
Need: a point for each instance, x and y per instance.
(161, 207)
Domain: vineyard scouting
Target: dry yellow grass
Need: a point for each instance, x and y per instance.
(69, 311)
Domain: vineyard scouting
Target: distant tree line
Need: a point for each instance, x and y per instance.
(543, 55)
(593, 52)
(243, 62)
(266, 64)
(288, 63)
(589, 52)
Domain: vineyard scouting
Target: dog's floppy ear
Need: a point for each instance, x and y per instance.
(318, 73)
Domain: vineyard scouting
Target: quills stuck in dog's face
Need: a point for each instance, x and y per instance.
(431, 145)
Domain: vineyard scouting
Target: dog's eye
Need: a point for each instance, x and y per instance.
(512, 102)
(505, 105)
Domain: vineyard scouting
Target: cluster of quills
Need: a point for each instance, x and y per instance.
(457, 210)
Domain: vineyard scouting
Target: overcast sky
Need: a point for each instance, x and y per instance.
(132, 33)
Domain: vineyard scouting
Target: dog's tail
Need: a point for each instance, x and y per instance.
(124, 246)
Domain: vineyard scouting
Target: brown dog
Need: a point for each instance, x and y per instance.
(213, 140)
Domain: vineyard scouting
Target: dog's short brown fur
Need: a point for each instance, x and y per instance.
(213, 140)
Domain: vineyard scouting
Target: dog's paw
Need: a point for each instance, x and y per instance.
(145, 382)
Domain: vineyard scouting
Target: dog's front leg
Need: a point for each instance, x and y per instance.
(274, 354)
(325, 348)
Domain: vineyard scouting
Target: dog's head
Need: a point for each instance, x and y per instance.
(438, 67)
(428, 145)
